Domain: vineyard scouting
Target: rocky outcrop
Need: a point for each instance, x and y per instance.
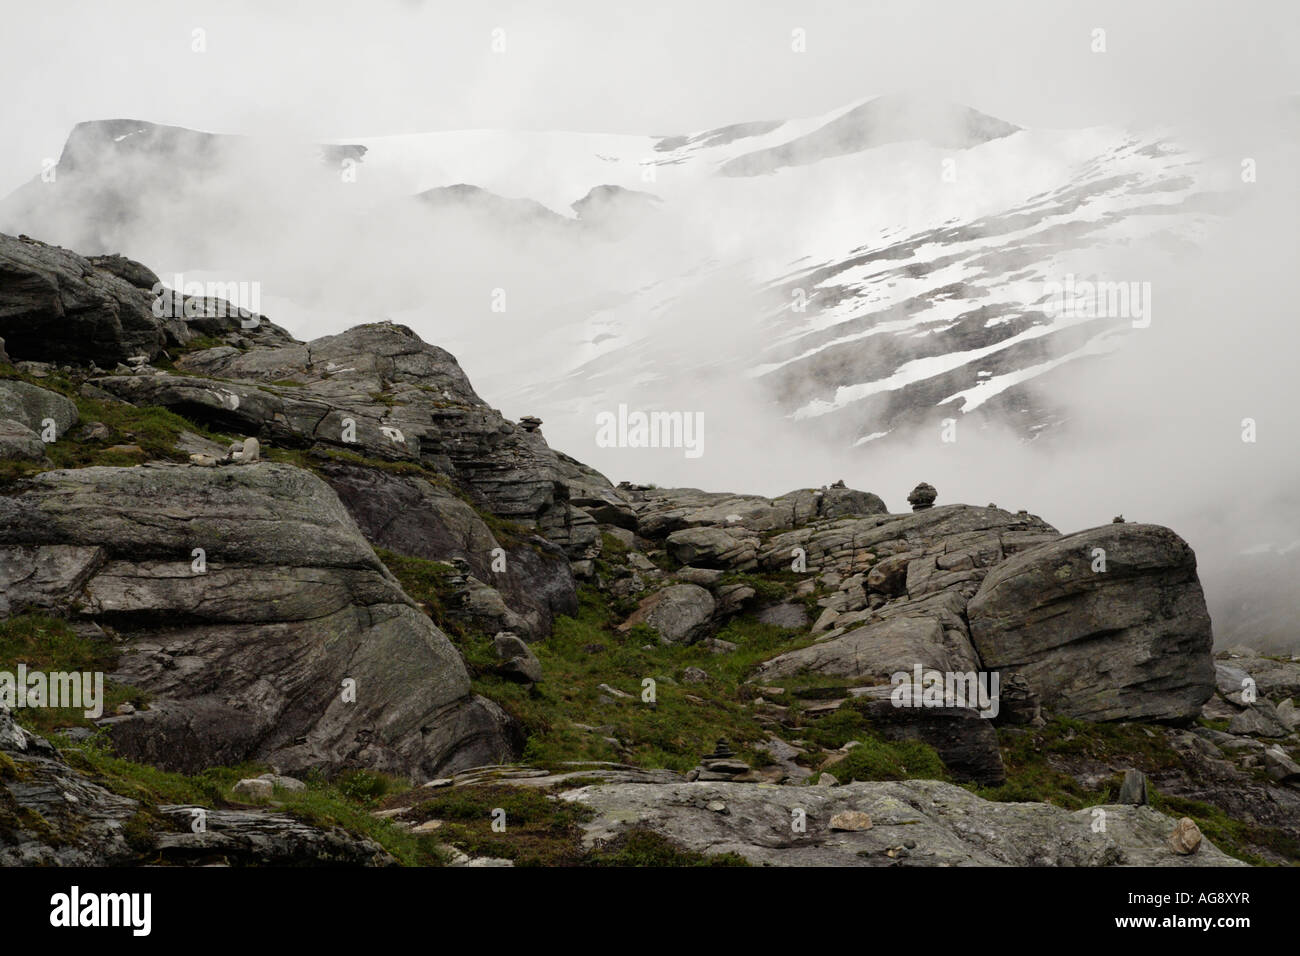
(375, 390)
(53, 815)
(915, 634)
(256, 616)
(913, 823)
(413, 516)
(33, 407)
(245, 601)
(901, 586)
(957, 588)
(662, 511)
(1105, 624)
(57, 306)
(709, 547)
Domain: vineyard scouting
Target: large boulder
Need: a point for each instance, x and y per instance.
(1131, 641)
(928, 633)
(904, 581)
(286, 640)
(680, 613)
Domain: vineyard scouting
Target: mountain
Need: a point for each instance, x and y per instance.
(887, 264)
(351, 608)
(853, 285)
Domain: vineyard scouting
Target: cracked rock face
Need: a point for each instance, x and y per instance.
(248, 658)
(913, 823)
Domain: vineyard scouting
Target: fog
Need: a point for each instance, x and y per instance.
(1153, 431)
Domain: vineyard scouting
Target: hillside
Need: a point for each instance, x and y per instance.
(348, 611)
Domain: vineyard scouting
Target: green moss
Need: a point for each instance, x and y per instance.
(8, 769)
(612, 547)
(366, 786)
(876, 759)
(539, 829)
(141, 831)
(429, 583)
(156, 431)
(769, 588)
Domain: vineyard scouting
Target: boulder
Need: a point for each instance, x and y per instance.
(518, 662)
(1130, 642)
(787, 614)
(1232, 681)
(1133, 791)
(20, 443)
(889, 576)
(33, 406)
(878, 650)
(254, 788)
(1186, 837)
(281, 782)
(1260, 719)
(851, 821)
(680, 613)
(1288, 714)
(1280, 767)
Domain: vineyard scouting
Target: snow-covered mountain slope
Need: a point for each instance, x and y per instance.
(885, 265)
(906, 283)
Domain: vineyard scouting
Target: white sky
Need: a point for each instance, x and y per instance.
(327, 69)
